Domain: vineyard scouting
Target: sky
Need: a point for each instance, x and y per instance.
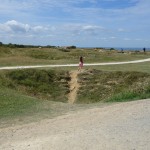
(83, 23)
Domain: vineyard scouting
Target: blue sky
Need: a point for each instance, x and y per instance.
(84, 23)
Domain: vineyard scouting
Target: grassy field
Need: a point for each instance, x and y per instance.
(36, 56)
(32, 94)
(140, 67)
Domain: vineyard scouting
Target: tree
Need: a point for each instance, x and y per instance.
(71, 47)
(1, 43)
(11, 45)
(112, 49)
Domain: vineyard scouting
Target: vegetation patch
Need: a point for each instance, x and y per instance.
(97, 86)
(13, 103)
(34, 55)
(43, 84)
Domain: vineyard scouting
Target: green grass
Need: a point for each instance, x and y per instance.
(140, 67)
(36, 56)
(43, 84)
(13, 103)
(31, 94)
(115, 86)
(128, 96)
(18, 108)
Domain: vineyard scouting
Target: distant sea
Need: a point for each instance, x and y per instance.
(120, 48)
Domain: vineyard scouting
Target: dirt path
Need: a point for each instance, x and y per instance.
(71, 65)
(123, 126)
(74, 87)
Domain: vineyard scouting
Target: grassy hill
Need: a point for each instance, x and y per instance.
(43, 84)
(36, 56)
(31, 94)
(23, 91)
(117, 86)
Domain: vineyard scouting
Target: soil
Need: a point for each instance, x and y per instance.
(122, 126)
(74, 87)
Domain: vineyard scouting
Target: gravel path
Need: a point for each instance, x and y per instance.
(71, 65)
(122, 126)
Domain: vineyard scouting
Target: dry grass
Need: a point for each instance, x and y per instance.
(36, 56)
(97, 86)
(21, 95)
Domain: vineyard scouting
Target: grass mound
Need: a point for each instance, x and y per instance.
(117, 86)
(16, 107)
(43, 84)
(33, 94)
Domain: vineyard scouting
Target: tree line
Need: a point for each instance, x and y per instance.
(24, 46)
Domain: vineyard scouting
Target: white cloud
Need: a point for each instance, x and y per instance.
(103, 38)
(14, 27)
(92, 28)
(63, 19)
(113, 37)
(79, 29)
(127, 39)
(17, 27)
(39, 29)
(121, 30)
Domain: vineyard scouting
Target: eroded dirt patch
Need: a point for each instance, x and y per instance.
(74, 87)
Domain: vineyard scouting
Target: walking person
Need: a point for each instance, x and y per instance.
(80, 63)
(144, 49)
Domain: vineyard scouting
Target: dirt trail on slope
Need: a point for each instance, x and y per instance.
(74, 87)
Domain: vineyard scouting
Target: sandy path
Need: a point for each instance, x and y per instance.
(71, 65)
(123, 126)
(74, 86)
